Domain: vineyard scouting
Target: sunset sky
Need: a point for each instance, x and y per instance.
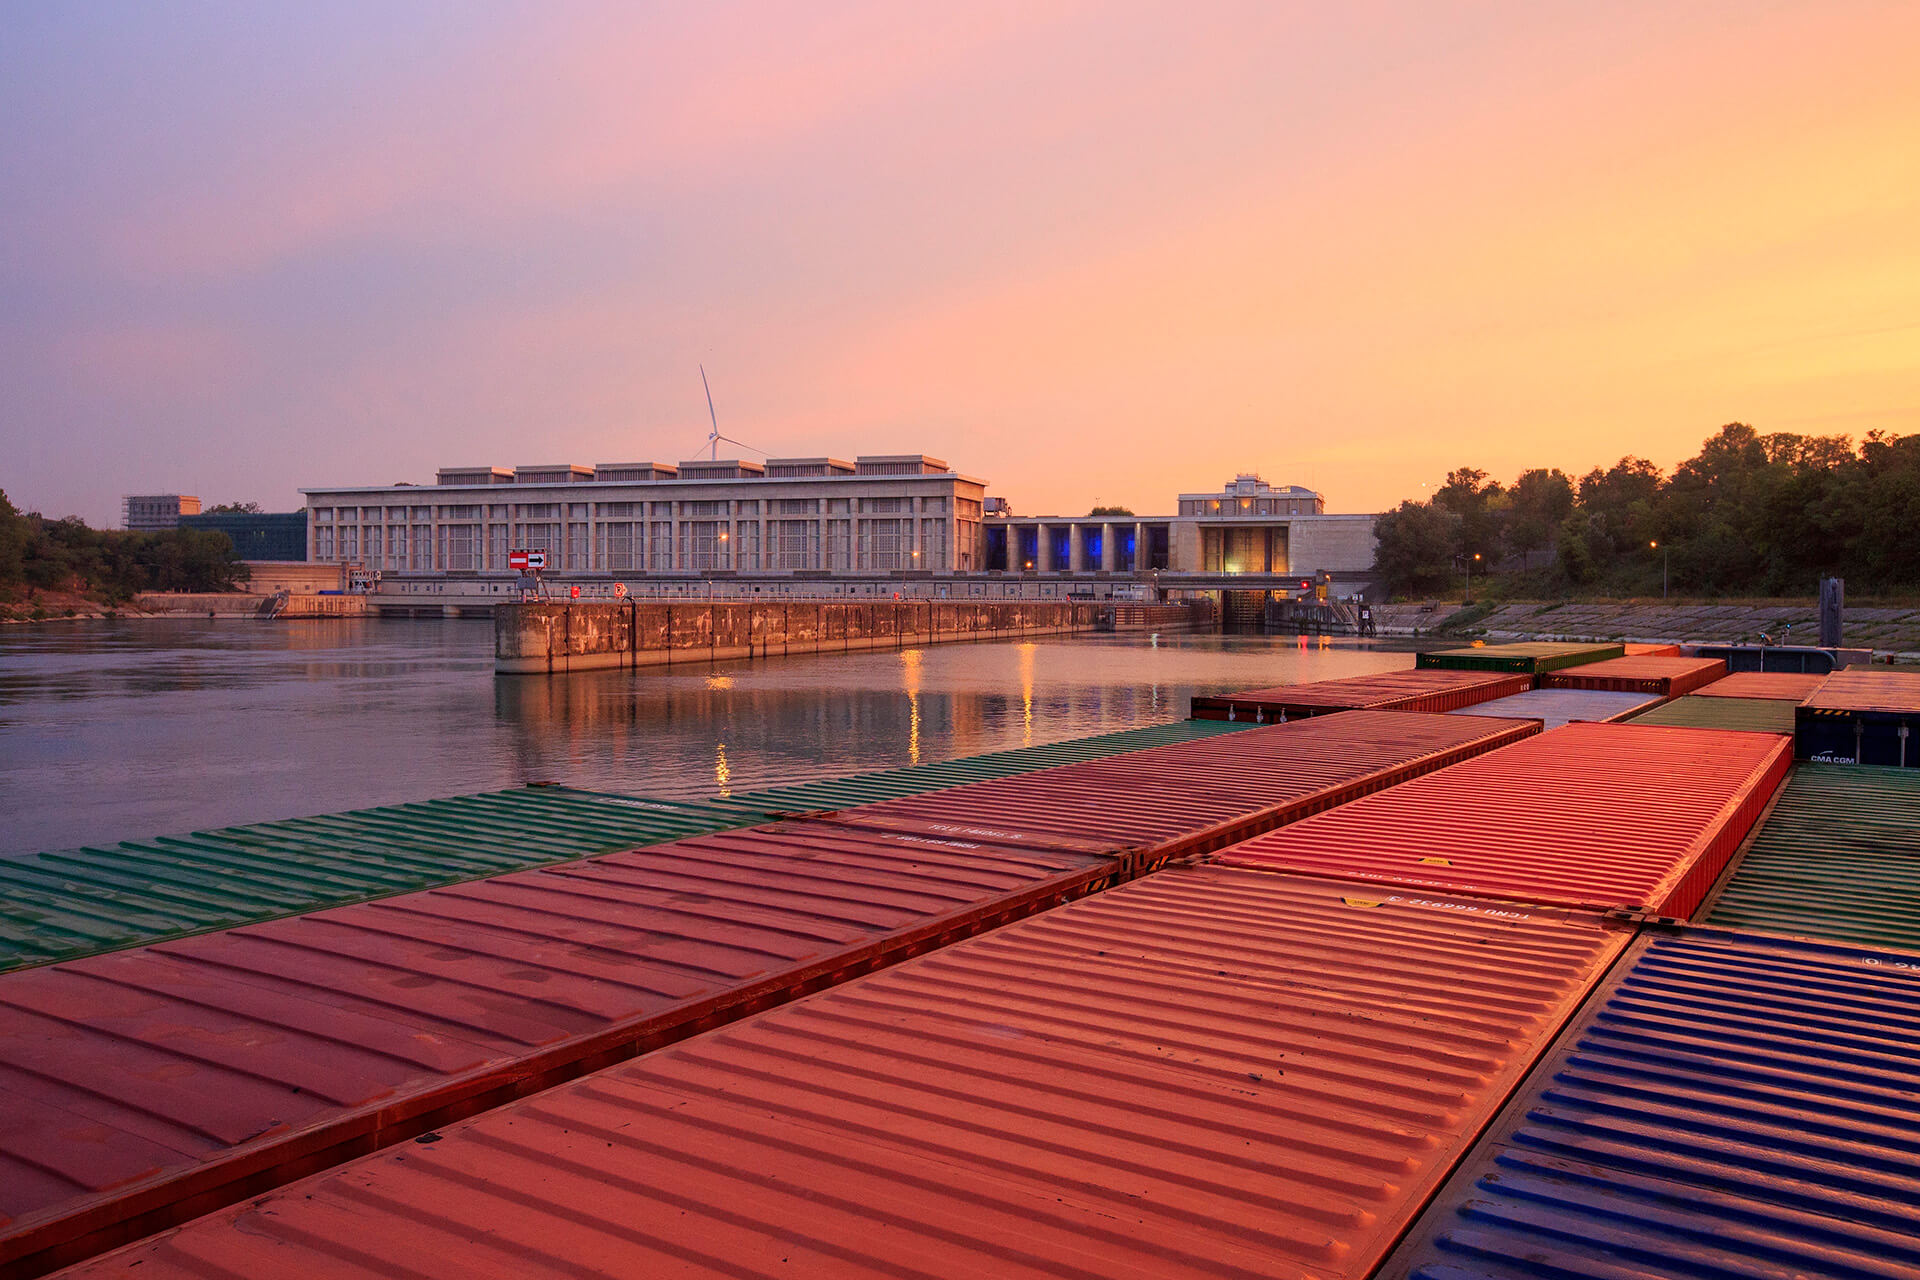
(1095, 253)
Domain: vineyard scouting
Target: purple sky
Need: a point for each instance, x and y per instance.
(1093, 252)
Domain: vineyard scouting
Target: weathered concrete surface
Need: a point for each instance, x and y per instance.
(581, 635)
(1885, 630)
(245, 604)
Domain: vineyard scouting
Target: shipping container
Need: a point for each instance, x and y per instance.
(1530, 657)
(1591, 815)
(1861, 717)
(1409, 690)
(1205, 1073)
(1838, 856)
(1651, 650)
(1697, 711)
(142, 1086)
(1176, 801)
(1785, 686)
(78, 902)
(1555, 707)
(1664, 677)
(1725, 1107)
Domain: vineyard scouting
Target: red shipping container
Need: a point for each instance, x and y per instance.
(1195, 797)
(1652, 650)
(1605, 816)
(1787, 686)
(142, 1087)
(1667, 677)
(1205, 1073)
(1409, 690)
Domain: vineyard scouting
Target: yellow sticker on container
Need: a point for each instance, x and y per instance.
(1438, 862)
(1361, 902)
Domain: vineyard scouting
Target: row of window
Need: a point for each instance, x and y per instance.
(657, 546)
(703, 509)
(1248, 507)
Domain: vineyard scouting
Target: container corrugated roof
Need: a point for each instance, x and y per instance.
(1198, 796)
(1725, 1107)
(1603, 815)
(1838, 857)
(1787, 686)
(1751, 715)
(1666, 677)
(82, 901)
(1531, 657)
(1651, 650)
(1555, 707)
(1435, 691)
(1893, 692)
(190, 1072)
(1204, 1073)
(77, 902)
(133, 1082)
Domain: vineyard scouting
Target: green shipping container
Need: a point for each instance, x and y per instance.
(79, 902)
(1838, 858)
(1529, 658)
(1756, 715)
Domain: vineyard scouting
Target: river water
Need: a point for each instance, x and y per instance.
(135, 728)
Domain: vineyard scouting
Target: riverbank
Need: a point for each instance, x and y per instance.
(1891, 630)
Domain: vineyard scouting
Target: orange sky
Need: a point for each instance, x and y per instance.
(1093, 252)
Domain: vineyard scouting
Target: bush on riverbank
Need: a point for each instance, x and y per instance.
(47, 564)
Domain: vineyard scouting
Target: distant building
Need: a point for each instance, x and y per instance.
(149, 512)
(1248, 527)
(263, 535)
(819, 524)
(878, 513)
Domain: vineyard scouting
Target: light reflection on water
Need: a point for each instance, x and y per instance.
(117, 730)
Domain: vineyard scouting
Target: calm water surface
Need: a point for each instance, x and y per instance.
(116, 730)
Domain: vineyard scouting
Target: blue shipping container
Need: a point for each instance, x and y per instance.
(1726, 1106)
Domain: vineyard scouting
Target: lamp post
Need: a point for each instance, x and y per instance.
(1470, 563)
(1663, 567)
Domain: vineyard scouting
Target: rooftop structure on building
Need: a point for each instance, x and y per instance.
(150, 512)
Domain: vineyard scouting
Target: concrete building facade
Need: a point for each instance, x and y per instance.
(152, 512)
(881, 513)
(880, 525)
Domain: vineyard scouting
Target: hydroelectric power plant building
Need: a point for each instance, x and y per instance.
(879, 526)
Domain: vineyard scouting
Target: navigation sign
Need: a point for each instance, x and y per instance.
(536, 560)
(517, 560)
(619, 591)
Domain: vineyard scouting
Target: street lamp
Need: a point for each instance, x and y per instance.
(1470, 564)
(1663, 567)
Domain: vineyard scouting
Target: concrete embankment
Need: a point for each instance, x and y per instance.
(558, 636)
(238, 604)
(1885, 630)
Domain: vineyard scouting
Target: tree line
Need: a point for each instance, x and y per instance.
(1751, 514)
(109, 565)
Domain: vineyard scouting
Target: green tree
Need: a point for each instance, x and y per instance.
(1538, 505)
(1415, 552)
(235, 509)
(1110, 511)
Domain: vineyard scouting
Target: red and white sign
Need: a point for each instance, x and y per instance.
(517, 560)
(619, 591)
(524, 560)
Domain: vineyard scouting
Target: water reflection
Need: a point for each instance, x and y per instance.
(113, 730)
